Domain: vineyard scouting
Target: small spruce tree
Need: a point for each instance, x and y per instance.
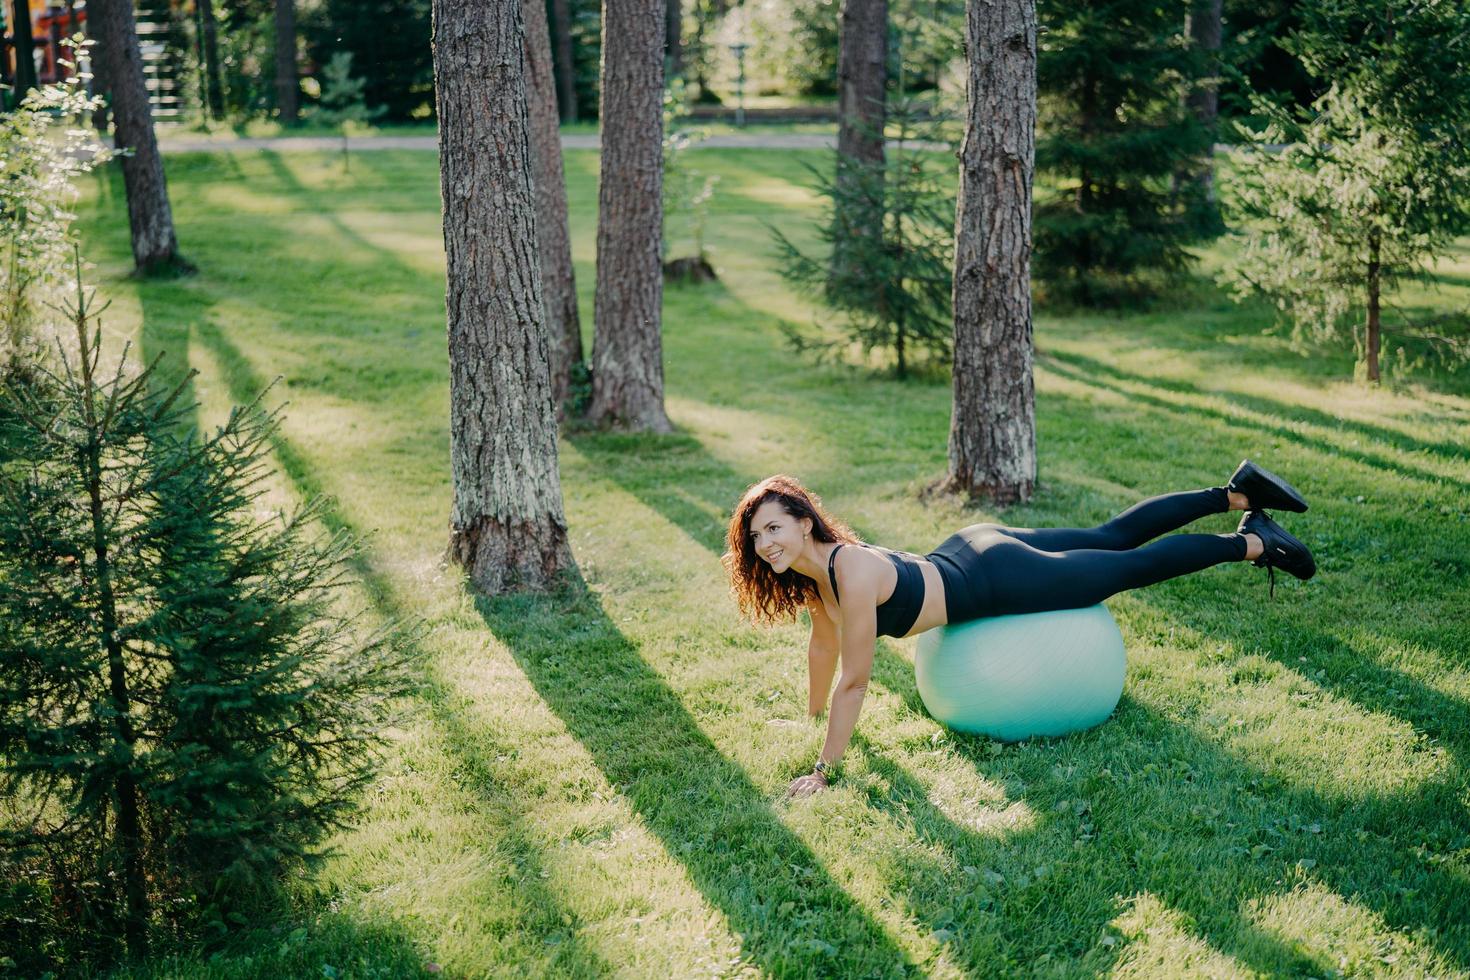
(892, 291)
(686, 190)
(1337, 211)
(341, 103)
(187, 704)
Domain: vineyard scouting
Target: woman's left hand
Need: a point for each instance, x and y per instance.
(807, 785)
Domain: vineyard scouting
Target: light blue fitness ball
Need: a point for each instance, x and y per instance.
(1013, 677)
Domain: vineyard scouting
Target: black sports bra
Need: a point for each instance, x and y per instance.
(898, 615)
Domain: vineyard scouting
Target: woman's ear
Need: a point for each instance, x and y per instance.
(806, 527)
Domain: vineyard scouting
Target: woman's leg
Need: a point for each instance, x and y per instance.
(1142, 522)
(1024, 579)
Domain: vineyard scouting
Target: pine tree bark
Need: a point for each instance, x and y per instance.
(558, 280)
(150, 217)
(992, 435)
(23, 46)
(1204, 23)
(507, 526)
(100, 87)
(627, 348)
(862, 74)
(566, 67)
(214, 77)
(288, 86)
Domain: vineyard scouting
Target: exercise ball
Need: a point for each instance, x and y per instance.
(1012, 677)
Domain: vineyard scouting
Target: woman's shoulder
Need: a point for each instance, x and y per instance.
(856, 563)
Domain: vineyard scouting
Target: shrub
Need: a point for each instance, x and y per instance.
(38, 170)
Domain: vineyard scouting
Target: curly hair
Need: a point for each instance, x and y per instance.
(763, 595)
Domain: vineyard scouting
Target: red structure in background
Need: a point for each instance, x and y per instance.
(49, 27)
(50, 23)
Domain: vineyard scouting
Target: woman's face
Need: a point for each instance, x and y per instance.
(777, 536)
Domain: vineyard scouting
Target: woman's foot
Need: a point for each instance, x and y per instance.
(1263, 489)
(1278, 549)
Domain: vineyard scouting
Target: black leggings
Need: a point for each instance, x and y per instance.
(992, 570)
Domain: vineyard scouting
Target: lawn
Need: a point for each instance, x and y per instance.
(591, 783)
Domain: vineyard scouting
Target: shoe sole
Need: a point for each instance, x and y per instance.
(1265, 479)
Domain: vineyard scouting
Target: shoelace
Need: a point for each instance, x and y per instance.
(1271, 577)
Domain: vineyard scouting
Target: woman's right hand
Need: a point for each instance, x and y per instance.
(812, 782)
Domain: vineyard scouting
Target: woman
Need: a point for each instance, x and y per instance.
(786, 553)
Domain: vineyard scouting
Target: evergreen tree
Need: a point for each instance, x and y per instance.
(686, 191)
(187, 707)
(627, 343)
(341, 104)
(1371, 181)
(892, 291)
(1111, 77)
(390, 39)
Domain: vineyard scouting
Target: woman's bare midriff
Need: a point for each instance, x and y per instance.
(933, 612)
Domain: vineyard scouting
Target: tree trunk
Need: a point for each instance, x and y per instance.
(1374, 298)
(150, 218)
(558, 281)
(24, 47)
(214, 83)
(507, 526)
(287, 85)
(862, 71)
(125, 786)
(565, 65)
(1203, 25)
(1205, 21)
(673, 39)
(992, 435)
(627, 349)
(100, 85)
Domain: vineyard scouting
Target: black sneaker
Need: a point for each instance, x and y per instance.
(1281, 550)
(1264, 489)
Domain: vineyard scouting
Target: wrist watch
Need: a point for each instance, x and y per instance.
(827, 770)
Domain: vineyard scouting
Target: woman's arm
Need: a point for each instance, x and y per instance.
(858, 638)
(821, 658)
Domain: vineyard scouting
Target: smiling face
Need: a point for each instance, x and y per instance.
(777, 536)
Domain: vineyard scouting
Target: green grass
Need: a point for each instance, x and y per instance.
(592, 783)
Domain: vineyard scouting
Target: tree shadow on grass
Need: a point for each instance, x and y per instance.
(1202, 830)
(541, 914)
(1089, 370)
(990, 912)
(791, 915)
